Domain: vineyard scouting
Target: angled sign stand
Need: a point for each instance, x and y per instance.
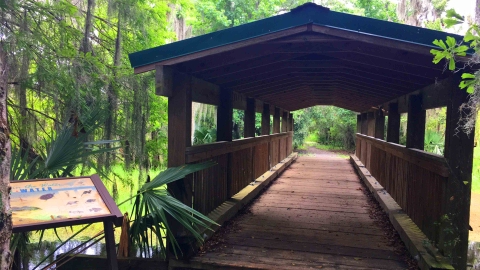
(52, 203)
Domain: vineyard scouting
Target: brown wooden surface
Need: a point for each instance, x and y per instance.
(266, 119)
(416, 123)
(415, 179)
(393, 127)
(206, 151)
(239, 163)
(249, 122)
(179, 138)
(224, 116)
(364, 127)
(459, 154)
(211, 186)
(379, 124)
(371, 124)
(276, 121)
(312, 217)
(261, 159)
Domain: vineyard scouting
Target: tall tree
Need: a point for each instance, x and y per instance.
(420, 12)
(477, 12)
(5, 212)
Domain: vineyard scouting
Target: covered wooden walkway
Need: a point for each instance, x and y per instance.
(314, 216)
(306, 57)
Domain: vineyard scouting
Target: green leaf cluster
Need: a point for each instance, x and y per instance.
(450, 49)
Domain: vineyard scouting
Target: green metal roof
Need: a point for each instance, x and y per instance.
(306, 14)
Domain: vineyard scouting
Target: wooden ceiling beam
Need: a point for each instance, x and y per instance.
(308, 37)
(249, 64)
(374, 51)
(283, 68)
(399, 67)
(362, 92)
(301, 79)
(342, 73)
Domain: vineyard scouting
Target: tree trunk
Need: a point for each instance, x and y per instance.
(5, 212)
(22, 95)
(477, 13)
(112, 100)
(85, 46)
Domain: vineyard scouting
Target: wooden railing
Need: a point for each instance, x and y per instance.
(240, 162)
(415, 179)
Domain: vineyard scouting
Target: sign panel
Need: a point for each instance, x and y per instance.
(63, 202)
(40, 201)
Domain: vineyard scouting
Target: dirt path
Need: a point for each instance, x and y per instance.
(313, 151)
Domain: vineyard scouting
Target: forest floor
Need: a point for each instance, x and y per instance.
(312, 148)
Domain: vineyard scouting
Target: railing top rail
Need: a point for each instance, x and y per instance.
(432, 162)
(201, 152)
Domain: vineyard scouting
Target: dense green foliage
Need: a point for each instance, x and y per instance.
(331, 126)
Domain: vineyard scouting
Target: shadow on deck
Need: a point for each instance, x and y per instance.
(314, 216)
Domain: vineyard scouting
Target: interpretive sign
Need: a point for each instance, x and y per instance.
(53, 203)
(40, 201)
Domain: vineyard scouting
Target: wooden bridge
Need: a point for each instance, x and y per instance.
(314, 216)
(314, 56)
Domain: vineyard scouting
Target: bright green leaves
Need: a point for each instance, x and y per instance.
(469, 81)
(68, 8)
(453, 18)
(451, 42)
(472, 37)
(448, 53)
(450, 49)
(440, 43)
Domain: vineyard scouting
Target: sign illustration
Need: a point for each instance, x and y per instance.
(34, 202)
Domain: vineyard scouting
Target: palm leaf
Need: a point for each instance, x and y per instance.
(152, 205)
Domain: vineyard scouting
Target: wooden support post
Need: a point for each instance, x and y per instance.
(364, 124)
(249, 128)
(359, 123)
(290, 122)
(225, 116)
(379, 124)
(110, 245)
(225, 127)
(179, 138)
(276, 121)
(393, 128)
(164, 76)
(415, 123)
(284, 121)
(266, 119)
(371, 124)
(459, 155)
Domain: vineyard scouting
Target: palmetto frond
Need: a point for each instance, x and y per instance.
(154, 203)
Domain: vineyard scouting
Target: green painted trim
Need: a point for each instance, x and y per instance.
(306, 14)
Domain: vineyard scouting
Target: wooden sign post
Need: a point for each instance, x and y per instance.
(52, 203)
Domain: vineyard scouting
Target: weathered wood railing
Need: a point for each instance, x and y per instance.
(240, 162)
(415, 179)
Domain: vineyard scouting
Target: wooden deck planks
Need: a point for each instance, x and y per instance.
(314, 216)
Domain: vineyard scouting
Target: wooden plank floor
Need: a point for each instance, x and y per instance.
(314, 216)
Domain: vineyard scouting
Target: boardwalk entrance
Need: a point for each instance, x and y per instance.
(314, 216)
(302, 58)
